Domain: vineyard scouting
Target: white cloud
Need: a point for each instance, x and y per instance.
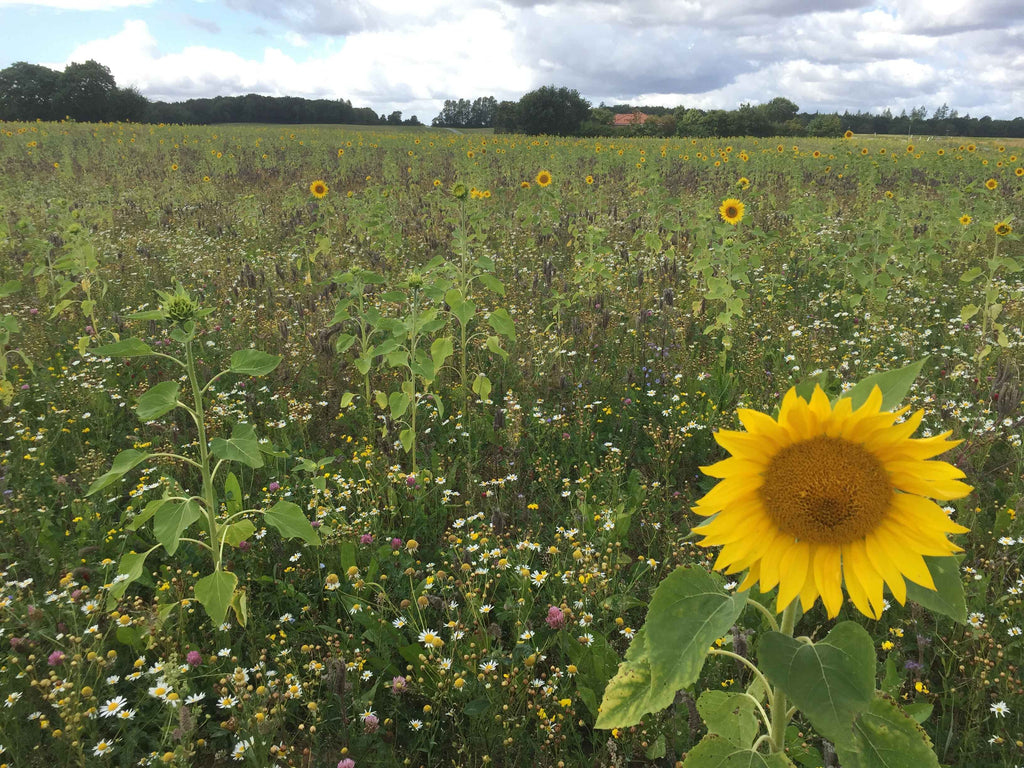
(76, 5)
(412, 54)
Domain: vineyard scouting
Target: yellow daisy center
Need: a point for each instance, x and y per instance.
(826, 490)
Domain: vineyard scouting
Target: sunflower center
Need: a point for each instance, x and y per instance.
(731, 212)
(826, 490)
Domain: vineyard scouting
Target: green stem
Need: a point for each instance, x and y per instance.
(767, 614)
(779, 702)
(209, 495)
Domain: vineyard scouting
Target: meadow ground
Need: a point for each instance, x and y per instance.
(438, 520)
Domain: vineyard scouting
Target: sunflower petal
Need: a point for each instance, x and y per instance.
(828, 577)
(793, 573)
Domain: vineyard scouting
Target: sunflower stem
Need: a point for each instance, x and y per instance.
(779, 702)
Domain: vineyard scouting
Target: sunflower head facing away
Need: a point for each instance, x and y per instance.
(318, 189)
(825, 496)
(543, 178)
(731, 211)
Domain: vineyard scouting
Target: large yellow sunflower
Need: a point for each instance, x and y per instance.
(543, 178)
(826, 495)
(318, 189)
(731, 211)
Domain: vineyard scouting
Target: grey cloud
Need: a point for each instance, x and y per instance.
(207, 25)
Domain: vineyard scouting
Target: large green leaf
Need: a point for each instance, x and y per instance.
(290, 522)
(690, 609)
(232, 494)
(172, 518)
(242, 446)
(253, 362)
(11, 286)
(886, 737)
(157, 401)
(124, 348)
(123, 464)
(831, 681)
(894, 385)
(716, 752)
(501, 322)
(128, 570)
(440, 350)
(215, 593)
(948, 596)
(733, 716)
(235, 533)
(688, 612)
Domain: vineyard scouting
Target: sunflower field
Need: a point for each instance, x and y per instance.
(335, 447)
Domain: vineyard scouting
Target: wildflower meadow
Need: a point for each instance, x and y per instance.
(323, 446)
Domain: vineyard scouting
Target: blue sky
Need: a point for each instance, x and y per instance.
(410, 55)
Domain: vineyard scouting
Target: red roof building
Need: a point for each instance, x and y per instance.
(630, 118)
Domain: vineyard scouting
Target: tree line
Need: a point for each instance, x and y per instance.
(87, 92)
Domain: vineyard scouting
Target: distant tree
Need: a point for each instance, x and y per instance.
(395, 118)
(128, 105)
(412, 121)
(85, 92)
(828, 126)
(551, 110)
(752, 121)
(27, 92)
(779, 110)
(505, 117)
(481, 112)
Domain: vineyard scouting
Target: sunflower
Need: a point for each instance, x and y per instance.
(543, 178)
(524, 185)
(318, 189)
(991, 184)
(341, 152)
(826, 494)
(743, 182)
(848, 135)
(1002, 229)
(940, 152)
(966, 220)
(589, 179)
(1018, 171)
(731, 211)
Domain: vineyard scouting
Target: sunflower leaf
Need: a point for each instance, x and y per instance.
(948, 596)
(716, 752)
(688, 612)
(830, 681)
(894, 385)
(733, 716)
(886, 737)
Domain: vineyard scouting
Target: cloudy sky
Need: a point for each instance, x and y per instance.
(411, 55)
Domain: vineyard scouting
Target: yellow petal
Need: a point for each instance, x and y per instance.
(828, 577)
(793, 573)
(886, 567)
(854, 588)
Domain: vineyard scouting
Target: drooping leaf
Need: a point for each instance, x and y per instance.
(130, 567)
(240, 605)
(236, 533)
(688, 612)
(482, 386)
(253, 362)
(733, 716)
(215, 593)
(125, 348)
(886, 737)
(501, 322)
(172, 519)
(123, 464)
(894, 385)
(948, 596)
(290, 522)
(398, 402)
(232, 494)
(243, 446)
(715, 752)
(830, 681)
(157, 400)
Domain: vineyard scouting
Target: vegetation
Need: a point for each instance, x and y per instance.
(384, 447)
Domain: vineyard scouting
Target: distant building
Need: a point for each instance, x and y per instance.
(630, 118)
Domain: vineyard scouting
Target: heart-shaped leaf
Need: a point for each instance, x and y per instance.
(831, 681)
(157, 401)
